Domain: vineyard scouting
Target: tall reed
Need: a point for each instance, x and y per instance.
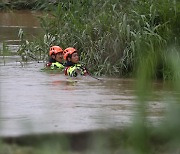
(113, 36)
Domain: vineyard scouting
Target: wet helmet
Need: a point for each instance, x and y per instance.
(55, 50)
(68, 51)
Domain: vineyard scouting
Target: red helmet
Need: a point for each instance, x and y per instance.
(68, 51)
(55, 50)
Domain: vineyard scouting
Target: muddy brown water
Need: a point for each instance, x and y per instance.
(12, 21)
(33, 101)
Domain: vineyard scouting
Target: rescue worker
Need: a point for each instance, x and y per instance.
(56, 58)
(73, 68)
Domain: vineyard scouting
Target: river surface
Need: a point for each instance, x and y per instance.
(12, 21)
(33, 101)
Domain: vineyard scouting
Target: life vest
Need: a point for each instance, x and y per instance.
(54, 66)
(57, 65)
(75, 70)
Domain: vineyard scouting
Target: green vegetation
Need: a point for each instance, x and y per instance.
(112, 37)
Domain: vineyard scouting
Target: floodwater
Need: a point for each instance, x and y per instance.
(12, 21)
(33, 101)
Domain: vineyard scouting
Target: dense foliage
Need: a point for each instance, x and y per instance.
(113, 37)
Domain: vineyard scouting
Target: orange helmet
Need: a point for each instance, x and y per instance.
(55, 50)
(68, 51)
